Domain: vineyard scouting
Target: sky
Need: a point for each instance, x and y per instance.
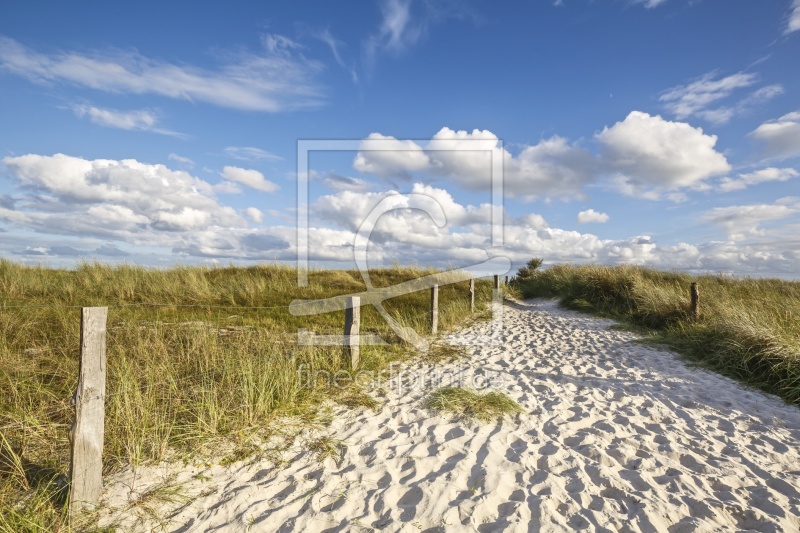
(663, 133)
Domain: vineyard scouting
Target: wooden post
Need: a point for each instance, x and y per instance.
(87, 433)
(695, 301)
(434, 309)
(352, 323)
(496, 281)
(506, 281)
(472, 295)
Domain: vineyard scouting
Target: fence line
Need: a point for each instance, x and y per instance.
(87, 432)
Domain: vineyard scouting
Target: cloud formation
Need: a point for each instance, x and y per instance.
(250, 153)
(793, 21)
(781, 137)
(135, 120)
(277, 78)
(697, 99)
(754, 178)
(552, 168)
(249, 178)
(591, 216)
(651, 156)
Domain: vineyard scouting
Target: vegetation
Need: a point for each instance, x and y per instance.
(468, 404)
(196, 356)
(748, 329)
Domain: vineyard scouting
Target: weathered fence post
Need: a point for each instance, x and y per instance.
(352, 323)
(472, 295)
(434, 309)
(506, 281)
(695, 301)
(496, 281)
(88, 431)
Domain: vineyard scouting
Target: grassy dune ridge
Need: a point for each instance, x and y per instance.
(748, 329)
(197, 358)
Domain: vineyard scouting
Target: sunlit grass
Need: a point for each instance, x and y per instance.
(748, 329)
(468, 404)
(198, 358)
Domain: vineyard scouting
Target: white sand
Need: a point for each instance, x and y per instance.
(615, 437)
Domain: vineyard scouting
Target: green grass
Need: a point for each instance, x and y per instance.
(198, 358)
(748, 329)
(468, 404)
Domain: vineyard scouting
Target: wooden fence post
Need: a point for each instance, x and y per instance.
(496, 281)
(434, 309)
(472, 295)
(88, 431)
(352, 323)
(506, 281)
(695, 301)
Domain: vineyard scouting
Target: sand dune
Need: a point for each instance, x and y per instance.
(615, 437)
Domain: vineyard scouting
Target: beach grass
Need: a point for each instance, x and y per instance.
(471, 405)
(747, 329)
(199, 358)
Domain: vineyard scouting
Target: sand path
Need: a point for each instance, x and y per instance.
(615, 436)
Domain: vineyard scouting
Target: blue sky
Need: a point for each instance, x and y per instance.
(657, 132)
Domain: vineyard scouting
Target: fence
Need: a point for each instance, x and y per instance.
(87, 433)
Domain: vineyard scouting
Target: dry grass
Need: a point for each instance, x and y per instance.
(748, 328)
(469, 405)
(197, 357)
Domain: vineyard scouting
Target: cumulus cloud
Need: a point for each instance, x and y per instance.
(276, 78)
(249, 178)
(551, 168)
(781, 137)
(591, 216)
(651, 156)
(754, 178)
(254, 214)
(129, 206)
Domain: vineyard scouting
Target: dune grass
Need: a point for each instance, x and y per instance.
(469, 405)
(748, 329)
(198, 359)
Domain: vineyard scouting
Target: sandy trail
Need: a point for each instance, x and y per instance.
(615, 436)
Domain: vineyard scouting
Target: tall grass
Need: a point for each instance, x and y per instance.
(198, 358)
(748, 329)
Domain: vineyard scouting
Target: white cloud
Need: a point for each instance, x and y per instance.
(70, 206)
(754, 178)
(274, 79)
(389, 157)
(793, 22)
(397, 31)
(742, 221)
(649, 4)
(592, 216)
(254, 214)
(250, 178)
(250, 153)
(345, 183)
(109, 197)
(551, 168)
(696, 98)
(781, 137)
(180, 159)
(651, 156)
